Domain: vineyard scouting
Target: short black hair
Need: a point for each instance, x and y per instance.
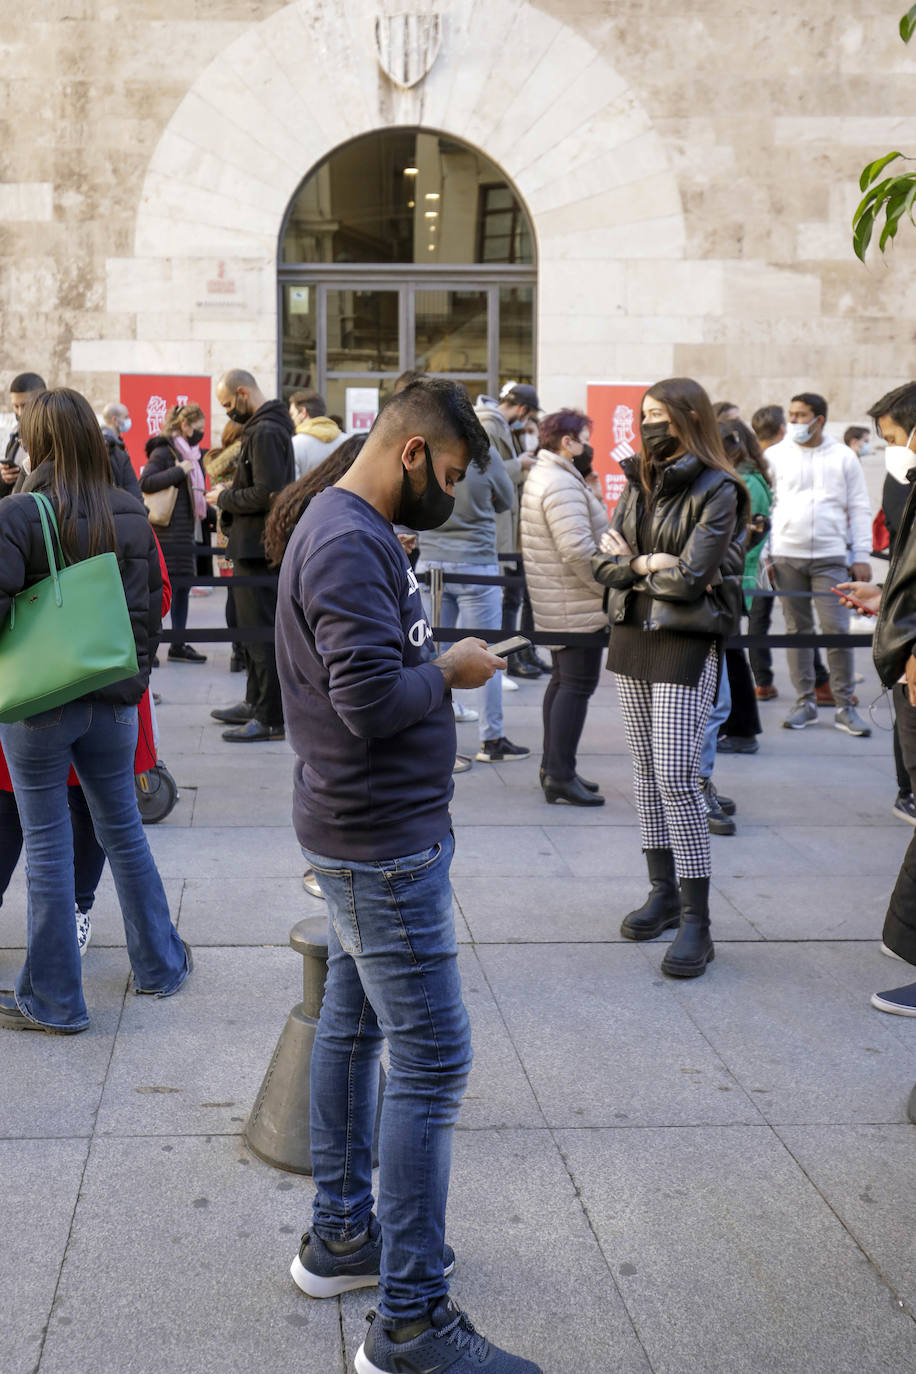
(26, 382)
(405, 379)
(720, 407)
(855, 432)
(815, 403)
(899, 404)
(312, 402)
(768, 421)
(438, 409)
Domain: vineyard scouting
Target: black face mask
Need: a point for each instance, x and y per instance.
(659, 441)
(238, 417)
(583, 460)
(195, 437)
(431, 508)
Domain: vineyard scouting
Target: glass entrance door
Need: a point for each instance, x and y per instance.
(343, 335)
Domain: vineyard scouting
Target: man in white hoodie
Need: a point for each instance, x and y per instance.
(317, 435)
(821, 508)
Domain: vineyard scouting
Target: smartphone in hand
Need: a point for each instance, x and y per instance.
(505, 647)
(854, 601)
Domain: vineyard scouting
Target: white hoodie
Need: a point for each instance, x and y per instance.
(821, 508)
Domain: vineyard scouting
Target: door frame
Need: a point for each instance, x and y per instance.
(407, 279)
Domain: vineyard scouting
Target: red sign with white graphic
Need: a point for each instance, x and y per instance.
(150, 398)
(615, 410)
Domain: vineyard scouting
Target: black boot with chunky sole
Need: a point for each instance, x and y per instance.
(692, 947)
(662, 908)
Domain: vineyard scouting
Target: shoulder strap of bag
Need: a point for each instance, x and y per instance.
(45, 509)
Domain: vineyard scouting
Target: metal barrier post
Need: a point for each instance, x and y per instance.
(911, 1109)
(278, 1127)
(435, 597)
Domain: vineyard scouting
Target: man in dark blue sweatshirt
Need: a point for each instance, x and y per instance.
(368, 711)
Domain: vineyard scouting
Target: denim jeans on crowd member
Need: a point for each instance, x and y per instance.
(574, 676)
(721, 710)
(99, 740)
(88, 856)
(478, 607)
(393, 974)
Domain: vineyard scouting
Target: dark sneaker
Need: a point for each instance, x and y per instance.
(183, 653)
(737, 744)
(899, 1001)
(719, 822)
(450, 1343)
(323, 1275)
(905, 807)
(804, 714)
(234, 715)
(849, 720)
(500, 751)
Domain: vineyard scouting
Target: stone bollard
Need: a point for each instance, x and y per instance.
(278, 1127)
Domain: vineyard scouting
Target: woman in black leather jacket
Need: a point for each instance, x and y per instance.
(673, 563)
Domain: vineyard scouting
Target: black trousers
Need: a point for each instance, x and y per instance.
(88, 854)
(758, 623)
(744, 718)
(904, 783)
(573, 679)
(256, 608)
(900, 921)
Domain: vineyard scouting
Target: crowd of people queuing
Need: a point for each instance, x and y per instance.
(334, 540)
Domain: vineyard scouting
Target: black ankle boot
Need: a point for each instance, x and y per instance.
(662, 907)
(692, 948)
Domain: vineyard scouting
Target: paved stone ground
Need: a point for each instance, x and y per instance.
(702, 1178)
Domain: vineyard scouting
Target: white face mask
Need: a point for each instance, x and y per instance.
(899, 458)
(800, 434)
(531, 443)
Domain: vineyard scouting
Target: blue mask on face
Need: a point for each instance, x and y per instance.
(124, 425)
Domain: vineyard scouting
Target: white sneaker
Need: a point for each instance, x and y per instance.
(83, 931)
(463, 714)
(509, 683)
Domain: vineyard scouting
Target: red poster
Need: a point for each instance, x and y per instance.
(615, 408)
(150, 398)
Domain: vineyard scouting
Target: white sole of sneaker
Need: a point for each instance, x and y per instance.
(802, 725)
(317, 1286)
(878, 1002)
(856, 734)
(890, 953)
(363, 1365)
(509, 758)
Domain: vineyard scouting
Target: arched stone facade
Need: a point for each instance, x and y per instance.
(558, 118)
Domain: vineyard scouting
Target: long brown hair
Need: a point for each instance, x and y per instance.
(694, 422)
(173, 421)
(292, 500)
(742, 445)
(59, 428)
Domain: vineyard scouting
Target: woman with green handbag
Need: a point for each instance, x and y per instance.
(95, 732)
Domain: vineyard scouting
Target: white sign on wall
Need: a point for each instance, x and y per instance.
(362, 408)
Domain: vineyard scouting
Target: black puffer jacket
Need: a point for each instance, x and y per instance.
(23, 561)
(122, 469)
(895, 632)
(177, 537)
(700, 515)
(265, 466)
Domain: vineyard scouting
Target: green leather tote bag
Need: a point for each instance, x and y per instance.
(66, 636)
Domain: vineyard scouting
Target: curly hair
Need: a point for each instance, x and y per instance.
(289, 504)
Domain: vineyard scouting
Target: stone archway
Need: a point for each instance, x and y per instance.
(593, 172)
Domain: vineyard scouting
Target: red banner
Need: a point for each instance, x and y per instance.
(615, 410)
(150, 398)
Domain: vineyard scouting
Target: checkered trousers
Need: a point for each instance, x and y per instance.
(665, 724)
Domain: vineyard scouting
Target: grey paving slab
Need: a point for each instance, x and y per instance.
(51, 1085)
(226, 853)
(807, 1048)
(498, 1092)
(529, 1271)
(729, 1260)
(816, 906)
(250, 911)
(862, 969)
(194, 1062)
(179, 1260)
(604, 1040)
(841, 850)
(507, 849)
(561, 909)
(868, 1176)
(594, 852)
(41, 1180)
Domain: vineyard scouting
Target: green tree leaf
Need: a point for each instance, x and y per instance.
(864, 224)
(874, 169)
(908, 25)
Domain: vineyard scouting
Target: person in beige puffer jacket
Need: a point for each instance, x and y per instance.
(561, 522)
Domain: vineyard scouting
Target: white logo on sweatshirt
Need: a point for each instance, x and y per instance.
(419, 633)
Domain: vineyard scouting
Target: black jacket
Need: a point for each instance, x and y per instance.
(12, 456)
(177, 537)
(895, 632)
(23, 561)
(265, 466)
(700, 515)
(122, 469)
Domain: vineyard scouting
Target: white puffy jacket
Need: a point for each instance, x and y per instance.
(561, 523)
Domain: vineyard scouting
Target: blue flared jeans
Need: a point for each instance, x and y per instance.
(99, 739)
(392, 974)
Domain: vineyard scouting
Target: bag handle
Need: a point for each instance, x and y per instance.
(45, 509)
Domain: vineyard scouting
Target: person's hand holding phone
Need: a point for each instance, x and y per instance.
(863, 597)
(8, 474)
(469, 663)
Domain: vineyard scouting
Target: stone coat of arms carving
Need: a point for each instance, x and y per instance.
(407, 45)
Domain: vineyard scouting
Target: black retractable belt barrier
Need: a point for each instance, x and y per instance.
(278, 1127)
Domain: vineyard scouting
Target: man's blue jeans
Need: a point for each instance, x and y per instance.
(392, 974)
(479, 608)
(99, 739)
(721, 710)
